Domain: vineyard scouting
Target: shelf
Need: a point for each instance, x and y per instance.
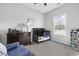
(74, 36)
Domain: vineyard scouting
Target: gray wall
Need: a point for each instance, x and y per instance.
(12, 14)
(3, 37)
(72, 11)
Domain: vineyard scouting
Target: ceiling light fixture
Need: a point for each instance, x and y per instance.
(58, 3)
(34, 3)
(45, 4)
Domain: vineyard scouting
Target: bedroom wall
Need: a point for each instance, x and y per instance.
(12, 14)
(72, 11)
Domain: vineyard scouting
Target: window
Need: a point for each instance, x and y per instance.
(59, 25)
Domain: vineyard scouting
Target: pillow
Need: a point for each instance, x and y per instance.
(3, 50)
(12, 46)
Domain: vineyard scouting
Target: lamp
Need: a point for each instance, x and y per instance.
(29, 23)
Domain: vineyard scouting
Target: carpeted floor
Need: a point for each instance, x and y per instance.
(50, 48)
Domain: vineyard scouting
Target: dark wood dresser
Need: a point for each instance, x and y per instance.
(23, 38)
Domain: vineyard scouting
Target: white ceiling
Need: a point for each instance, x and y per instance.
(41, 8)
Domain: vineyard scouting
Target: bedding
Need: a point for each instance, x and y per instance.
(3, 50)
(15, 49)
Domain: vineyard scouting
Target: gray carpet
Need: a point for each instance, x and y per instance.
(50, 48)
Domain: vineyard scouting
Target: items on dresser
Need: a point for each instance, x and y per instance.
(40, 35)
(74, 34)
(18, 36)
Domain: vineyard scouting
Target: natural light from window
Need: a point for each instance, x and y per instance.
(59, 25)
